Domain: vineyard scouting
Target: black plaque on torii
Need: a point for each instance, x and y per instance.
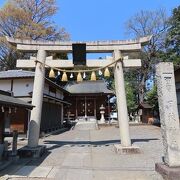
(79, 54)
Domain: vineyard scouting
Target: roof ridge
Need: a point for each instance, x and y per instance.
(16, 70)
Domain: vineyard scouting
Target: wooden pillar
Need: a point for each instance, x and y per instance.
(76, 108)
(1, 126)
(95, 108)
(85, 107)
(62, 114)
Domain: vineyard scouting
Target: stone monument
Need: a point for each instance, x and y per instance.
(170, 168)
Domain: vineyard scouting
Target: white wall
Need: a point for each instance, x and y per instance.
(22, 87)
(5, 85)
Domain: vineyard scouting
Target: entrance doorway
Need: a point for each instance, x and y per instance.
(90, 107)
(86, 107)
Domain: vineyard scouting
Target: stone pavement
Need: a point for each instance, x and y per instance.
(89, 154)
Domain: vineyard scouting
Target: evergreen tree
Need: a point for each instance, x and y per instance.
(173, 37)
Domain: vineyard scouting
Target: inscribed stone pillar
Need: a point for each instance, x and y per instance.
(37, 100)
(121, 101)
(168, 113)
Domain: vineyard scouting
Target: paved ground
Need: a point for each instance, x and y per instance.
(89, 154)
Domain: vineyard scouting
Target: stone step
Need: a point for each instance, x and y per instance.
(86, 125)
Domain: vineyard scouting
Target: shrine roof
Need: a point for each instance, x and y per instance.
(20, 74)
(88, 87)
(16, 74)
(8, 100)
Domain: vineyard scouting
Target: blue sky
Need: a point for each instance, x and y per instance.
(102, 19)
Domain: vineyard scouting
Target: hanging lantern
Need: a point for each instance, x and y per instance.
(51, 73)
(106, 72)
(84, 75)
(2, 108)
(93, 76)
(79, 77)
(64, 77)
(100, 72)
(71, 76)
(9, 110)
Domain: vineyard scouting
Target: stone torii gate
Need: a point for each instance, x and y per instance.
(115, 47)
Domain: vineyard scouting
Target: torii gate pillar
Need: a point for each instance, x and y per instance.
(37, 99)
(123, 120)
(121, 101)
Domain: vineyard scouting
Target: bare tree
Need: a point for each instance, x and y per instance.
(147, 23)
(27, 19)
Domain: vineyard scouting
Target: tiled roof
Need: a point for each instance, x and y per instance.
(15, 74)
(25, 74)
(88, 87)
(11, 101)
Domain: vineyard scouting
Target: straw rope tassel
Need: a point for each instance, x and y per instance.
(51, 73)
(106, 72)
(93, 76)
(64, 77)
(71, 76)
(79, 77)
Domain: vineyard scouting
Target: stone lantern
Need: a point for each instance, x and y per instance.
(102, 111)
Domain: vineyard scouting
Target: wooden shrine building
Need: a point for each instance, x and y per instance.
(86, 97)
(20, 83)
(8, 107)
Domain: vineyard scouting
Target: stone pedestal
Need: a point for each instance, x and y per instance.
(168, 173)
(36, 152)
(126, 150)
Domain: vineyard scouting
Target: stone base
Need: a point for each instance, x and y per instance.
(126, 150)
(168, 173)
(106, 124)
(99, 122)
(32, 152)
(86, 125)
